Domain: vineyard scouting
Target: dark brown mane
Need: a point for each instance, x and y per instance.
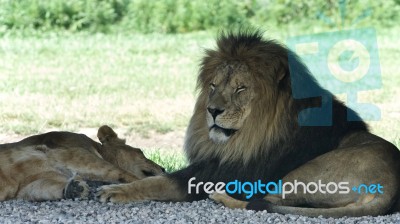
(271, 135)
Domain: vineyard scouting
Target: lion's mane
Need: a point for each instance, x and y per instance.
(270, 143)
(269, 123)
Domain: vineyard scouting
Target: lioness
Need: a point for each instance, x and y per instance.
(55, 165)
(246, 127)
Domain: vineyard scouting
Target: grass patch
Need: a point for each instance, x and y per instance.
(144, 82)
(170, 161)
(140, 83)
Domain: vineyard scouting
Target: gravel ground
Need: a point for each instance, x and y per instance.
(91, 211)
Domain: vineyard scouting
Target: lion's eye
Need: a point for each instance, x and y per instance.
(212, 86)
(240, 89)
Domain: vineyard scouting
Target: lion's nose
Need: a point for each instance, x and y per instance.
(214, 112)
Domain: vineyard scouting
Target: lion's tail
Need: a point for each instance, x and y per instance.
(378, 206)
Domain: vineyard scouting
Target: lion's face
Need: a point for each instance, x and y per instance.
(243, 100)
(229, 101)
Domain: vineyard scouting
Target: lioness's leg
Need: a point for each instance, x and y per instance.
(51, 186)
(161, 188)
(8, 187)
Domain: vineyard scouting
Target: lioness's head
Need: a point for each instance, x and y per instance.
(124, 156)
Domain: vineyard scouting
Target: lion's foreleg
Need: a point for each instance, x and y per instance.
(228, 201)
(160, 188)
(255, 204)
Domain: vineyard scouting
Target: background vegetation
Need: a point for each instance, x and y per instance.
(181, 16)
(77, 64)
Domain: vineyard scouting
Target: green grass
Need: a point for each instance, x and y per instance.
(170, 161)
(140, 83)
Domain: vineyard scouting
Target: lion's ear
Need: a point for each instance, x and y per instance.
(281, 75)
(281, 70)
(107, 135)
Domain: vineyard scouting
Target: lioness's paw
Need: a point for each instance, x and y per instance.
(113, 193)
(76, 189)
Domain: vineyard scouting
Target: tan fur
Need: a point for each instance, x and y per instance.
(245, 127)
(243, 145)
(159, 188)
(42, 167)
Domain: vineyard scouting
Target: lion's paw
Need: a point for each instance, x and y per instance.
(227, 201)
(113, 193)
(218, 197)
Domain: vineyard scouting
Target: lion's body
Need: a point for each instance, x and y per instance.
(246, 127)
(55, 165)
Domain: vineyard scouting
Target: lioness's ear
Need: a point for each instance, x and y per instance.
(107, 135)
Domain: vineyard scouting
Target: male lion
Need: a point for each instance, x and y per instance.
(246, 127)
(54, 165)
